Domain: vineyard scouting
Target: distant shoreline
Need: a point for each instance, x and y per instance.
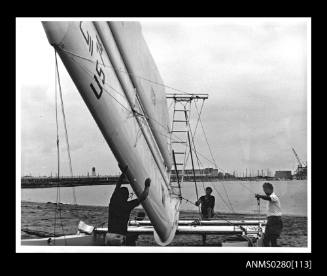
(52, 182)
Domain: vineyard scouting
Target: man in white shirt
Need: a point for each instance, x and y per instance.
(274, 215)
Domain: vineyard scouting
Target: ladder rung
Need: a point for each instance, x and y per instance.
(179, 152)
(179, 131)
(178, 164)
(178, 142)
(182, 110)
(180, 121)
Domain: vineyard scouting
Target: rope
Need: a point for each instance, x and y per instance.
(196, 187)
(228, 221)
(65, 126)
(58, 160)
(176, 137)
(214, 161)
(128, 109)
(118, 69)
(194, 132)
(198, 162)
(217, 192)
(126, 72)
(58, 156)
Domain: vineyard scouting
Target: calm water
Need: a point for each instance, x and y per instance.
(293, 195)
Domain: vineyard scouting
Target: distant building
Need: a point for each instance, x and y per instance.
(283, 174)
(93, 171)
(228, 175)
(220, 175)
(198, 172)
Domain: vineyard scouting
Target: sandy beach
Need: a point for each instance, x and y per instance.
(38, 221)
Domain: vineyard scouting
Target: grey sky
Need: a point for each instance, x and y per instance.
(254, 71)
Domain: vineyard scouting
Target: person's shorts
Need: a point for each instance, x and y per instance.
(113, 239)
(274, 226)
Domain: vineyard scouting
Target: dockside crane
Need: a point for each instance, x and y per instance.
(301, 172)
(297, 157)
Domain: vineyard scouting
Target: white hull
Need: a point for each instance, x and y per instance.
(98, 235)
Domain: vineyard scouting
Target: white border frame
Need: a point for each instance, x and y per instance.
(158, 249)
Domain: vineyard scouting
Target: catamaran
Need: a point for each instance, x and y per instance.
(114, 72)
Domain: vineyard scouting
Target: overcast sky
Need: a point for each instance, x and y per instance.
(255, 72)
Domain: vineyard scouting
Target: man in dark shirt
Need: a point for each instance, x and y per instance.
(120, 209)
(207, 204)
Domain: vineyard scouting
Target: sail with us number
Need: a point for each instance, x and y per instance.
(109, 63)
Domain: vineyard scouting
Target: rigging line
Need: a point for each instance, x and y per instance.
(141, 78)
(58, 157)
(65, 126)
(194, 131)
(214, 159)
(196, 186)
(126, 72)
(58, 165)
(229, 201)
(126, 108)
(147, 117)
(198, 160)
(190, 145)
(217, 212)
(217, 192)
(205, 136)
(105, 90)
(129, 109)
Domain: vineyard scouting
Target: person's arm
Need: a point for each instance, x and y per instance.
(121, 177)
(133, 203)
(265, 197)
(197, 203)
(145, 192)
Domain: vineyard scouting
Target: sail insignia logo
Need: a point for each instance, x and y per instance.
(96, 87)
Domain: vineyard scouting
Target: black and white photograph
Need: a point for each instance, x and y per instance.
(163, 135)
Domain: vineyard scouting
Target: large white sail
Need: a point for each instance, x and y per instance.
(87, 61)
(147, 80)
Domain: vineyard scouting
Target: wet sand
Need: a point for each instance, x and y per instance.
(38, 221)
